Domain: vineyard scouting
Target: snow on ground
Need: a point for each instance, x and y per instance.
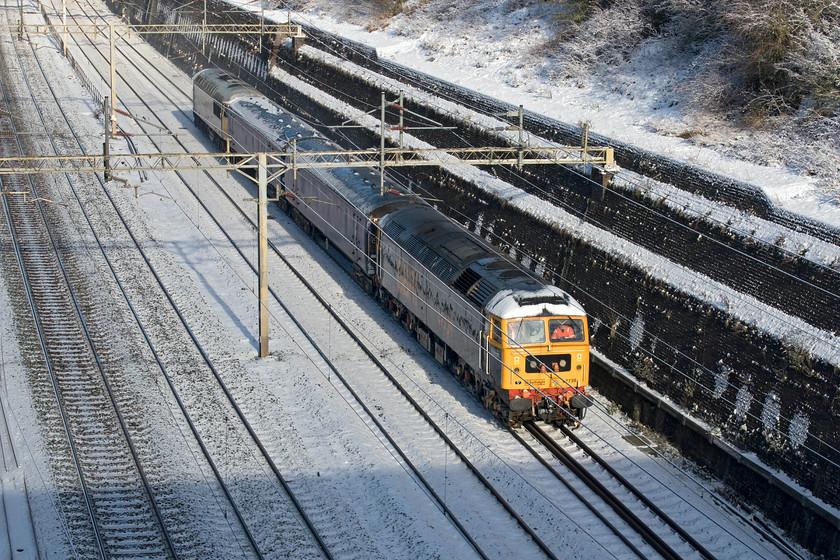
(491, 47)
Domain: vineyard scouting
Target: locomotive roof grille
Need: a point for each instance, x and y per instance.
(428, 258)
(443, 270)
(394, 230)
(536, 300)
(416, 247)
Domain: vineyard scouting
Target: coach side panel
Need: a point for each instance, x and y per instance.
(340, 222)
(245, 139)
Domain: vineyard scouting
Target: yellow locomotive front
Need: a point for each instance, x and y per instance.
(543, 347)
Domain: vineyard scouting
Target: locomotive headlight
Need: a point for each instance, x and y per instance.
(579, 367)
(516, 370)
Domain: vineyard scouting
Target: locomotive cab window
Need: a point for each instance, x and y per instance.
(566, 330)
(526, 331)
(497, 331)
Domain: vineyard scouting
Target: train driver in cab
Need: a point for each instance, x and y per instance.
(562, 331)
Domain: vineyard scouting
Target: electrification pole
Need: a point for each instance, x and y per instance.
(382, 148)
(262, 257)
(106, 146)
(64, 27)
(113, 62)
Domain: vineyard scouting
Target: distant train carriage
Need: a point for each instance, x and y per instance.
(516, 341)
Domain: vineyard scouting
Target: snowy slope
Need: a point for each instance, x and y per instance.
(503, 49)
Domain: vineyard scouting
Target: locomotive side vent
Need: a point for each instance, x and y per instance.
(482, 293)
(466, 280)
(474, 287)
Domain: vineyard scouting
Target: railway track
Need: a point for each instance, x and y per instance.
(640, 506)
(363, 378)
(658, 544)
(83, 397)
(444, 506)
(618, 504)
(117, 512)
(774, 543)
(366, 376)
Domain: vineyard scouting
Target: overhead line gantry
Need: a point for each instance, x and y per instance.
(267, 167)
(281, 162)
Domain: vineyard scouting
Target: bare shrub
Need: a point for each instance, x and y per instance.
(751, 58)
(814, 69)
(388, 7)
(605, 39)
(575, 11)
(691, 23)
(786, 53)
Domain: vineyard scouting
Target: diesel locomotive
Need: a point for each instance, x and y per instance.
(520, 344)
